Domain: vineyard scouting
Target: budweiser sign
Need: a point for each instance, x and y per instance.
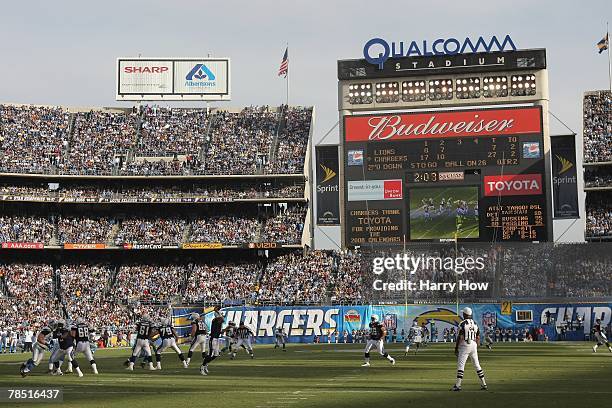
(22, 245)
(484, 123)
(513, 184)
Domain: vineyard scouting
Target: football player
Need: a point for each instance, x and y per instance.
(169, 339)
(144, 332)
(83, 336)
(489, 336)
(375, 340)
(66, 351)
(467, 346)
(56, 326)
(229, 333)
(43, 337)
(280, 338)
(600, 337)
(198, 335)
(244, 335)
(415, 336)
(213, 345)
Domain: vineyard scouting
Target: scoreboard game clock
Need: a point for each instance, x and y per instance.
(466, 174)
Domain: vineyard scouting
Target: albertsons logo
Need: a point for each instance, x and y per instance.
(200, 76)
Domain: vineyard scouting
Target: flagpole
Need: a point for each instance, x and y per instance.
(609, 60)
(287, 77)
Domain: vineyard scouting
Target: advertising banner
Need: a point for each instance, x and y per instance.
(564, 176)
(305, 324)
(202, 245)
(173, 79)
(328, 185)
(84, 246)
(22, 245)
(434, 125)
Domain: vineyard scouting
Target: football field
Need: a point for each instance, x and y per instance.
(519, 375)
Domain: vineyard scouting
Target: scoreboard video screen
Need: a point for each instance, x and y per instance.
(469, 174)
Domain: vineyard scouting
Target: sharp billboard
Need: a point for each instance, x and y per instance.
(173, 79)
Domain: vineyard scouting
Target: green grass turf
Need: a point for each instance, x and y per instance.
(442, 225)
(519, 375)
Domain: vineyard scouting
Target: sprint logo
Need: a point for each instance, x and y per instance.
(565, 164)
(329, 173)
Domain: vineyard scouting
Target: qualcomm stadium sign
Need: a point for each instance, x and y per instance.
(377, 50)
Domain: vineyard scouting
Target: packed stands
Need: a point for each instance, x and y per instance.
(153, 140)
(597, 126)
(25, 229)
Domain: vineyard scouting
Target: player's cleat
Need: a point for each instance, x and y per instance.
(594, 349)
(365, 365)
(455, 388)
(204, 370)
(484, 387)
(392, 361)
(252, 356)
(610, 348)
(185, 365)
(284, 349)
(130, 367)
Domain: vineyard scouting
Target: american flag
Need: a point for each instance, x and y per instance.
(601, 45)
(284, 66)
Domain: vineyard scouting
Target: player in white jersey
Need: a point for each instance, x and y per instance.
(199, 336)
(280, 338)
(168, 338)
(415, 337)
(600, 337)
(467, 346)
(38, 350)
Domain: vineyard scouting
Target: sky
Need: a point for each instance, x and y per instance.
(64, 52)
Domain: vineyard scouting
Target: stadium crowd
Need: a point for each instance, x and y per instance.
(598, 218)
(153, 140)
(25, 229)
(597, 126)
(32, 138)
(150, 194)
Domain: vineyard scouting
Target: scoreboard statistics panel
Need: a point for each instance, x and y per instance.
(476, 175)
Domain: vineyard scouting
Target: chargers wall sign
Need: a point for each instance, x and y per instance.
(377, 50)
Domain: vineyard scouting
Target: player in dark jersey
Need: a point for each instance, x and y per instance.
(600, 336)
(82, 338)
(376, 339)
(213, 345)
(66, 349)
(169, 338)
(56, 327)
(199, 336)
(144, 332)
(244, 335)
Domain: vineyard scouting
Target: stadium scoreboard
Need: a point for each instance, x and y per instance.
(455, 151)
